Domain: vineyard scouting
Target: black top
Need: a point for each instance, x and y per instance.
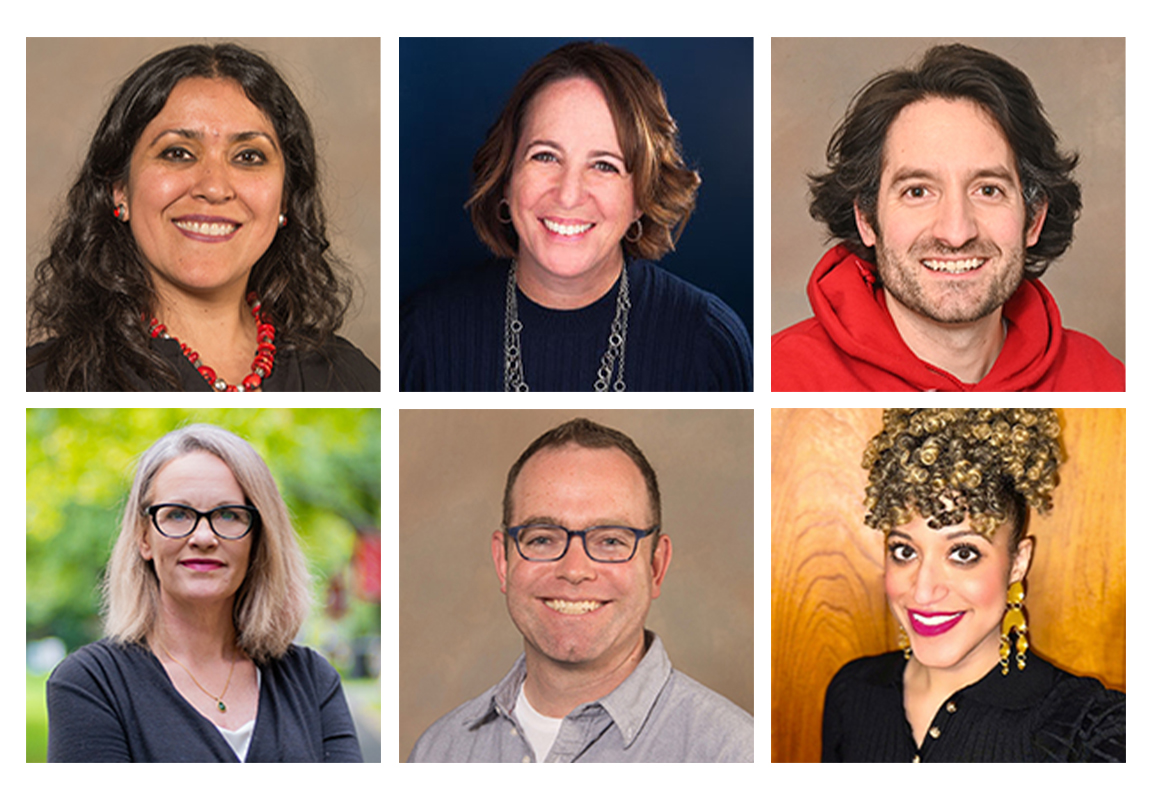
(339, 367)
(679, 337)
(1038, 714)
(109, 702)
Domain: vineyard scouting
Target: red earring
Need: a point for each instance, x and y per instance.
(120, 212)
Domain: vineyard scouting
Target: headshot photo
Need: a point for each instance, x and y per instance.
(948, 585)
(576, 586)
(577, 215)
(189, 603)
(948, 215)
(203, 215)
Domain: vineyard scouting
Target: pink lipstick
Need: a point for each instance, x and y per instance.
(933, 624)
(202, 564)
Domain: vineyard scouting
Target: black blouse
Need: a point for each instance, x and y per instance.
(1041, 713)
(339, 367)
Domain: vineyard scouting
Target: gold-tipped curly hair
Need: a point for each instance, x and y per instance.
(948, 464)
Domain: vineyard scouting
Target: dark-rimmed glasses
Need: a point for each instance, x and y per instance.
(177, 521)
(609, 544)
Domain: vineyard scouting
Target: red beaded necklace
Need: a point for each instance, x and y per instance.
(261, 365)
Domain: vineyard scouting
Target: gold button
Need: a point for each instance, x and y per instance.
(951, 707)
(934, 733)
(916, 760)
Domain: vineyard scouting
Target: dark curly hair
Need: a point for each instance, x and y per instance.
(91, 290)
(855, 151)
(664, 186)
(948, 464)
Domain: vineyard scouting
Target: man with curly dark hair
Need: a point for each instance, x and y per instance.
(950, 197)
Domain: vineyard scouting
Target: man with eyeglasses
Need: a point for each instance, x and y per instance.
(580, 557)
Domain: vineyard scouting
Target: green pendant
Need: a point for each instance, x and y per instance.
(221, 706)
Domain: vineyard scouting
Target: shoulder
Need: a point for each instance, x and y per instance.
(720, 731)
(302, 664)
(1083, 720)
(868, 671)
(1088, 366)
(339, 366)
(455, 732)
(97, 659)
(675, 311)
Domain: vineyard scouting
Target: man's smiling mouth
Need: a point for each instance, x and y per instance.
(572, 607)
(954, 267)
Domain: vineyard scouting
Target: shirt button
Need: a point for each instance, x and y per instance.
(916, 760)
(951, 707)
(934, 733)
(514, 732)
(526, 759)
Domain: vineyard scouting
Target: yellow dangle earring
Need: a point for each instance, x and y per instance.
(904, 643)
(1013, 620)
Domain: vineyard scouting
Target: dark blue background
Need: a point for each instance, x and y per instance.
(452, 90)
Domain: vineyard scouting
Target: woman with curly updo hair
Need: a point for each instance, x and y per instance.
(192, 251)
(951, 491)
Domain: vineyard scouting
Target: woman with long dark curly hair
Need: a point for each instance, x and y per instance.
(950, 490)
(192, 252)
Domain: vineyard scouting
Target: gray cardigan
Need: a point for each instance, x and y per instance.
(111, 702)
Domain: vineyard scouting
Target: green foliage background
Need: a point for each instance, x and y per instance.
(80, 464)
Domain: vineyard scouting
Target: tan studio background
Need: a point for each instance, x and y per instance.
(337, 81)
(1082, 86)
(455, 637)
(828, 606)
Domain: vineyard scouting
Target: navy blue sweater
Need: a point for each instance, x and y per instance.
(679, 338)
(109, 702)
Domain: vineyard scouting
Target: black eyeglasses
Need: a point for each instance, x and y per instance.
(610, 544)
(177, 521)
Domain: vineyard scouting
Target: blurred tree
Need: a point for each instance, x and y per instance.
(80, 464)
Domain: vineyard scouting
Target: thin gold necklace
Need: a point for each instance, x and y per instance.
(219, 700)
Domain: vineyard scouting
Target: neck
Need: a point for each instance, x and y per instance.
(966, 350)
(567, 292)
(196, 634)
(944, 681)
(555, 689)
(219, 327)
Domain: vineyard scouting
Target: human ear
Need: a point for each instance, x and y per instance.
(660, 561)
(1021, 563)
(1035, 228)
(499, 556)
(866, 230)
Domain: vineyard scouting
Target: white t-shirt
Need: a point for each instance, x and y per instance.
(540, 731)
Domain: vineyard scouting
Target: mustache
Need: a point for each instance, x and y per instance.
(975, 248)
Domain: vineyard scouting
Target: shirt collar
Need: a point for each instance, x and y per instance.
(629, 704)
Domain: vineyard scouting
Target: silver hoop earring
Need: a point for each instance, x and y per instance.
(638, 235)
(499, 212)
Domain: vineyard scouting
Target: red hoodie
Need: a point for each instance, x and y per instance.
(851, 344)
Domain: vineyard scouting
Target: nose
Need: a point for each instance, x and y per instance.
(570, 188)
(202, 535)
(955, 223)
(575, 566)
(929, 585)
(213, 182)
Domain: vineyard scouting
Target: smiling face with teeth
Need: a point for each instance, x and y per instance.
(575, 613)
(204, 189)
(949, 230)
(570, 194)
(947, 588)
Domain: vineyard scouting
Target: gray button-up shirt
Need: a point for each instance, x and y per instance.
(656, 714)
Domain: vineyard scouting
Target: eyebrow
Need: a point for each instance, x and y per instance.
(545, 520)
(918, 173)
(949, 536)
(243, 136)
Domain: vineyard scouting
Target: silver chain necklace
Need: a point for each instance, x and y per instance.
(513, 380)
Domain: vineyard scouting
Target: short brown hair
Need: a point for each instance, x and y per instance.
(585, 433)
(664, 187)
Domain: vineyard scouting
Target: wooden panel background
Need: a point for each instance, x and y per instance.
(827, 600)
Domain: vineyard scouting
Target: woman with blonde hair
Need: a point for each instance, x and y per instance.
(204, 592)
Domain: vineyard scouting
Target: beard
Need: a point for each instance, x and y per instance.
(957, 301)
